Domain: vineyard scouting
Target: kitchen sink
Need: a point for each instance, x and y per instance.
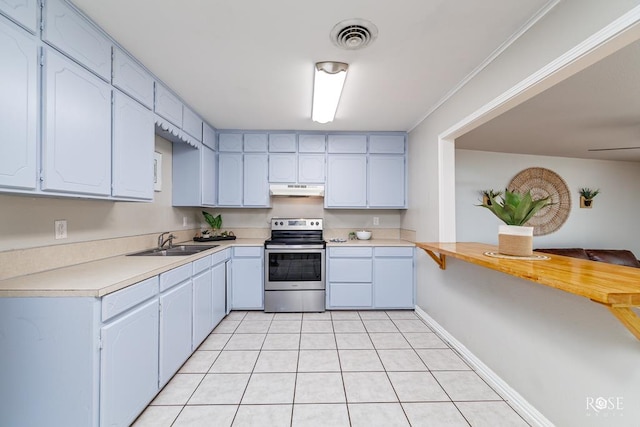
(182, 250)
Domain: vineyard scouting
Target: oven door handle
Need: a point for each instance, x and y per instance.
(289, 247)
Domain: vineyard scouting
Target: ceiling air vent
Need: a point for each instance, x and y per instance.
(353, 34)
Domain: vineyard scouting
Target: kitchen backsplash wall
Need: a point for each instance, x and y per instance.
(28, 222)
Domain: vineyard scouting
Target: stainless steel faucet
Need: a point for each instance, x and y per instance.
(162, 241)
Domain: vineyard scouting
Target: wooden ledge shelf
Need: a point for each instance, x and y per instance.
(614, 286)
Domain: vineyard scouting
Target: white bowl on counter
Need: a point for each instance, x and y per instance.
(363, 235)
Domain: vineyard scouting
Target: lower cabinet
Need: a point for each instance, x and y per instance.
(370, 277)
(202, 301)
(247, 278)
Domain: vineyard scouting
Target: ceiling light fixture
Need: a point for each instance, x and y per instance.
(327, 88)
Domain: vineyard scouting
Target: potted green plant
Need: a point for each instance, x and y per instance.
(488, 194)
(586, 196)
(515, 210)
(215, 222)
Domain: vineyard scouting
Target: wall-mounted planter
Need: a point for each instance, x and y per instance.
(586, 203)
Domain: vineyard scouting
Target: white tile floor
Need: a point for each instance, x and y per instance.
(341, 368)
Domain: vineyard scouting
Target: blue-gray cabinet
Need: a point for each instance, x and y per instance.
(129, 356)
(311, 168)
(312, 143)
(386, 185)
(18, 107)
(194, 175)
(255, 142)
(230, 173)
(176, 312)
(133, 146)
(76, 136)
(282, 142)
(231, 142)
(68, 31)
(247, 278)
(167, 105)
(346, 181)
(370, 277)
(243, 180)
(202, 300)
(133, 79)
(283, 168)
(24, 12)
(191, 123)
(256, 180)
(219, 291)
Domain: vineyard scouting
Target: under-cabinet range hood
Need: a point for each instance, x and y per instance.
(296, 190)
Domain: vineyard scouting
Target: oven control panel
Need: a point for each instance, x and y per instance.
(296, 223)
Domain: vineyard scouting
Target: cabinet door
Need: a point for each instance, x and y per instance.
(255, 142)
(168, 105)
(230, 179)
(387, 181)
(208, 136)
(24, 12)
(18, 107)
(133, 145)
(132, 78)
(231, 142)
(311, 168)
(256, 180)
(347, 143)
(175, 329)
(73, 34)
(346, 181)
(282, 168)
(76, 149)
(202, 307)
(209, 176)
(311, 143)
(191, 123)
(129, 365)
(386, 144)
(344, 295)
(282, 143)
(393, 283)
(219, 303)
(247, 279)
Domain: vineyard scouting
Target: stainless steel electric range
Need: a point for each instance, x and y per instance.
(294, 266)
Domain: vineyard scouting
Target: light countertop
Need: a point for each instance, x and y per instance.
(372, 242)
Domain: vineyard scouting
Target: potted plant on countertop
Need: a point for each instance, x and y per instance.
(488, 194)
(586, 197)
(515, 210)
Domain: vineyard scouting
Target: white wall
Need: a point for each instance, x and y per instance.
(554, 348)
(609, 224)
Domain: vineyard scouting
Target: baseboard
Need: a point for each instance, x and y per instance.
(519, 403)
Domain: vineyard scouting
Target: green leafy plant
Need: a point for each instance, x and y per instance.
(215, 222)
(514, 208)
(588, 193)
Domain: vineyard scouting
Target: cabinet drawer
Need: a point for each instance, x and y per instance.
(350, 270)
(312, 143)
(282, 143)
(231, 142)
(393, 251)
(122, 300)
(386, 144)
(350, 295)
(248, 251)
(201, 264)
(347, 143)
(175, 276)
(352, 252)
(221, 256)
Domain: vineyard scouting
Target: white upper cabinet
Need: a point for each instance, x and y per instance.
(167, 105)
(347, 143)
(24, 12)
(346, 181)
(191, 123)
(209, 176)
(311, 168)
(282, 168)
(231, 142)
(76, 140)
(282, 143)
(387, 181)
(386, 144)
(133, 147)
(256, 180)
(230, 172)
(67, 30)
(255, 142)
(132, 78)
(308, 143)
(18, 107)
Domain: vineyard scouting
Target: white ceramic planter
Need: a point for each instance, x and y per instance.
(515, 240)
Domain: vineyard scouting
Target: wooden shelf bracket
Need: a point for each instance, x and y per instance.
(440, 259)
(628, 318)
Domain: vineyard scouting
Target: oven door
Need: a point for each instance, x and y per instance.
(294, 269)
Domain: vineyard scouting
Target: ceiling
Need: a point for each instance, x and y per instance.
(249, 64)
(597, 108)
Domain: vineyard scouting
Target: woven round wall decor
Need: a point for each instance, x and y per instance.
(542, 183)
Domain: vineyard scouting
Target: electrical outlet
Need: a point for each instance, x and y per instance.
(376, 220)
(60, 228)
(184, 221)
